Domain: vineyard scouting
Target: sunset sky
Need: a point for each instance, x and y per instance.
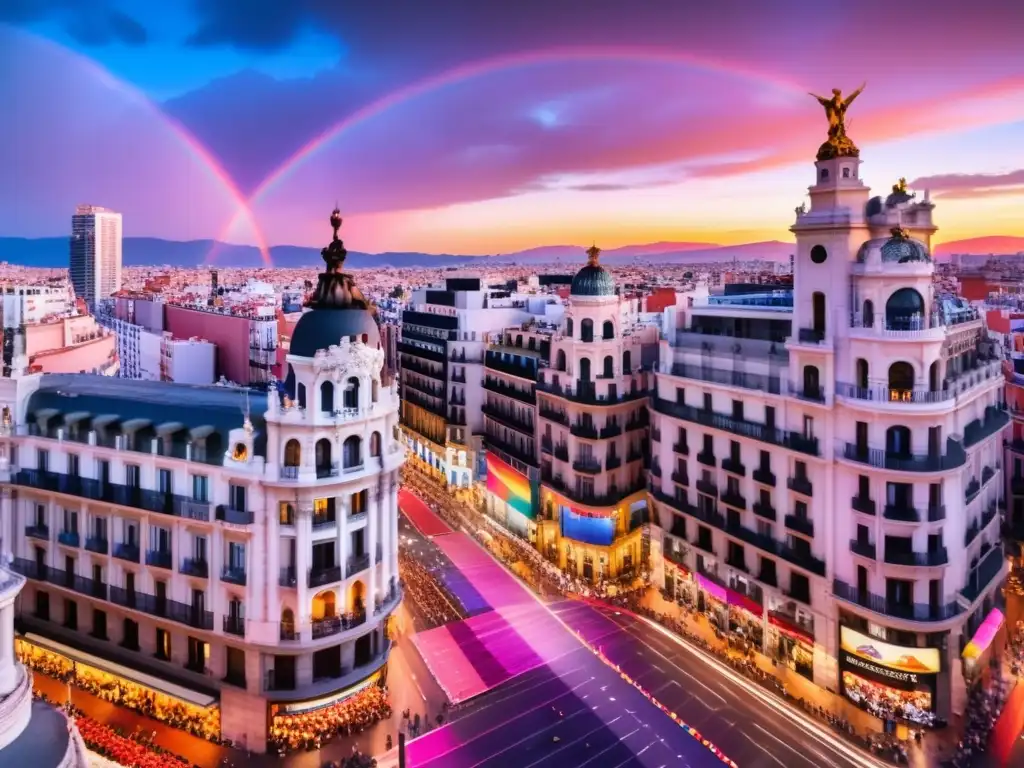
(477, 127)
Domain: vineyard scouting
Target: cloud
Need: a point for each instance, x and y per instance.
(249, 25)
(969, 186)
(92, 25)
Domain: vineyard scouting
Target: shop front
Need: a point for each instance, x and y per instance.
(791, 638)
(891, 682)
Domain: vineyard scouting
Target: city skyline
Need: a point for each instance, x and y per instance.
(614, 127)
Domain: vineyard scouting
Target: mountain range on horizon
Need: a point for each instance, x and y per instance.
(52, 252)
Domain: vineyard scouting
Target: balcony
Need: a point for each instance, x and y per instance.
(287, 577)
(589, 466)
(811, 336)
(800, 525)
(771, 435)
(897, 396)
(227, 514)
(515, 450)
(357, 563)
(916, 559)
(639, 422)
(733, 499)
(592, 498)
(551, 414)
(586, 394)
(996, 419)
(681, 478)
(128, 552)
(508, 418)
(192, 566)
(38, 531)
(879, 458)
(728, 378)
(983, 574)
(234, 625)
(612, 463)
(335, 625)
(521, 366)
(233, 575)
(764, 476)
(318, 576)
(113, 493)
(584, 429)
(708, 487)
(98, 545)
(863, 548)
(902, 513)
(863, 505)
(324, 471)
(801, 485)
(765, 510)
(681, 448)
(161, 607)
(707, 459)
(159, 558)
(899, 610)
(68, 538)
(609, 431)
(527, 397)
(734, 466)
(1017, 485)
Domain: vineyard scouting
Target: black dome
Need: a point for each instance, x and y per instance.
(593, 279)
(323, 328)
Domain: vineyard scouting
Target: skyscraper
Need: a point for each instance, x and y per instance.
(95, 252)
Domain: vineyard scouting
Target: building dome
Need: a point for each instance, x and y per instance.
(901, 248)
(339, 308)
(593, 279)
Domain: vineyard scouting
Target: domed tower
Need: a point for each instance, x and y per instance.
(332, 474)
(593, 432)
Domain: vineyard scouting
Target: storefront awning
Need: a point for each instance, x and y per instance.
(985, 635)
(162, 686)
(134, 425)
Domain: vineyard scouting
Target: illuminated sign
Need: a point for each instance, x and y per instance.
(894, 665)
(510, 486)
(314, 704)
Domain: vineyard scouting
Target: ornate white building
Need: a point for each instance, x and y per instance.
(234, 551)
(827, 471)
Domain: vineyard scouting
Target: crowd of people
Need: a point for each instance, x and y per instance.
(983, 708)
(203, 722)
(420, 565)
(887, 703)
(311, 730)
(137, 750)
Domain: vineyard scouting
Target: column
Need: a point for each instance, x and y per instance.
(384, 511)
(8, 672)
(303, 553)
(8, 526)
(393, 520)
(272, 607)
(372, 537)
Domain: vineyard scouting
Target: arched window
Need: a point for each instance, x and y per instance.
(356, 597)
(608, 331)
(904, 311)
(818, 310)
(560, 360)
(568, 327)
(323, 457)
(627, 363)
(901, 381)
(609, 367)
(897, 442)
(934, 382)
(324, 605)
(327, 397)
(812, 382)
(862, 373)
(519, 340)
(374, 390)
(868, 315)
(352, 452)
(292, 453)
(823, 174)
(587, 330)
(584, 369)
(375, 444)
(351, 397)
(301, 392)
(287, 620)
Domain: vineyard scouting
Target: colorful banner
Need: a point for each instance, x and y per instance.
(510, 486)
(586, 529)
(985, 635)
(899, 658)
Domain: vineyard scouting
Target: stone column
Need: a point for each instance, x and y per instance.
(269, 583)
(384, 527)
(303, 554)
(373, 536)
(8, 671)
(8, 526)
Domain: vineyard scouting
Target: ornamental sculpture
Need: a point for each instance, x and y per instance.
(838, 143)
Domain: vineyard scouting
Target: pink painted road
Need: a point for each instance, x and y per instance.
(421, 516)
(540, 697)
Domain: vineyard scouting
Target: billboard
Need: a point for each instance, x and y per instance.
(587, 528)
(888, 680)
(510, 486)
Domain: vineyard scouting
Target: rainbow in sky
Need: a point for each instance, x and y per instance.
(510, 486)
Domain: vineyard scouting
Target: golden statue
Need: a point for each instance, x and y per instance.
(900, 187)
(838, 144)
(593, 252)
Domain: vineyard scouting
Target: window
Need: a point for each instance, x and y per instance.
(285, 513)
(200, 488)
(236, 497)
(133, 475)
(737, 410)
(236, 556)
(708, 402)
(163, 478)
(43, 460)
(72, 464)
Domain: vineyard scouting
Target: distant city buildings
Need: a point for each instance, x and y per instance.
(95, 263)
